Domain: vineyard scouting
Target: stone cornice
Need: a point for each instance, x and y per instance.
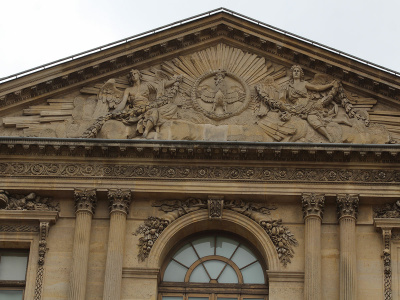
(198, 150)
(166, 44)
(26, 215)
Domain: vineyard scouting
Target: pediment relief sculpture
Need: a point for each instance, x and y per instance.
(218, 94)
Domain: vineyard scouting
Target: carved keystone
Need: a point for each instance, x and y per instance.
(215, 207)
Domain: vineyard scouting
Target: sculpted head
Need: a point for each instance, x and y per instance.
(296, 72)
(134, 76)
(219, 77)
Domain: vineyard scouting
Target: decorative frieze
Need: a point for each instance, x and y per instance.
(119, 200)
(347, 205)
(85, 200)
(189, 172)
(313, 205)
(280, 235)
(18, 228)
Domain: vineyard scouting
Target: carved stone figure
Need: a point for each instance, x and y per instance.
(220, 93)
(138, 105)
(317, 102)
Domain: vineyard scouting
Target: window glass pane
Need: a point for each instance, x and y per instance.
(214, 267)
(198, 298)
(171, 298)
(11, 295)
(253, 298)
(226, 246)
(204, 246)
(199, 275)
(253, 274)
(186, 255)
(219, 298)
(13, 265)
(243, 256)
(228, 276)
(175, 272)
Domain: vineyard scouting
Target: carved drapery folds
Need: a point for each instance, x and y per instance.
(85, 200)
(280, 235)
(347, 205)
(30, 201)
(313, 205)
(119, 200)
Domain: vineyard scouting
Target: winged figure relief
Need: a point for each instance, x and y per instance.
(321, 104)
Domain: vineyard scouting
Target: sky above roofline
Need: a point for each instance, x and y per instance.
(37, 32)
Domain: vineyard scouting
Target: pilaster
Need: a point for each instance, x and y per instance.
(119, 208)
(313, 210)
(347, 210)
(85, 205)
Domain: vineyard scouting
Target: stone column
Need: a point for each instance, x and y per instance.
(85, 204)
(313, 209)
(347, 209)
(119, 208)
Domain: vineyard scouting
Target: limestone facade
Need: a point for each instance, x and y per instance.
(110, 163)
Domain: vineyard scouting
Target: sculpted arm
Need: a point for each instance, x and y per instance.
(125, 97)
(318, 87)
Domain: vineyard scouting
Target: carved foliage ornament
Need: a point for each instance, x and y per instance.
(313, 205)
(183, 172)
(347, 205)
(26, 202)
(44, 230)
(119, 200)
(282, 238)
(85, 200)
(387, 264)
(389, 210)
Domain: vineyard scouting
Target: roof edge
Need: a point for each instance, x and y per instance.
(187, 20)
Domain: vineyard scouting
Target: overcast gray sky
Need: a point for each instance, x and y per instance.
(35, 32)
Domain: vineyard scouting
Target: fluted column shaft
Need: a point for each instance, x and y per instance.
(313, 205)
(347, 213)
(119, 206)
(85, 202)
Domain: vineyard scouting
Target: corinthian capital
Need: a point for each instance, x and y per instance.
(313, 205)
(347, 205)
(119, 200)
(85, 200)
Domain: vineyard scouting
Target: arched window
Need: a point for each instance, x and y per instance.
(214, 266)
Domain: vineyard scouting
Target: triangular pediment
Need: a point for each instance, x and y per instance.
(219, 78)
